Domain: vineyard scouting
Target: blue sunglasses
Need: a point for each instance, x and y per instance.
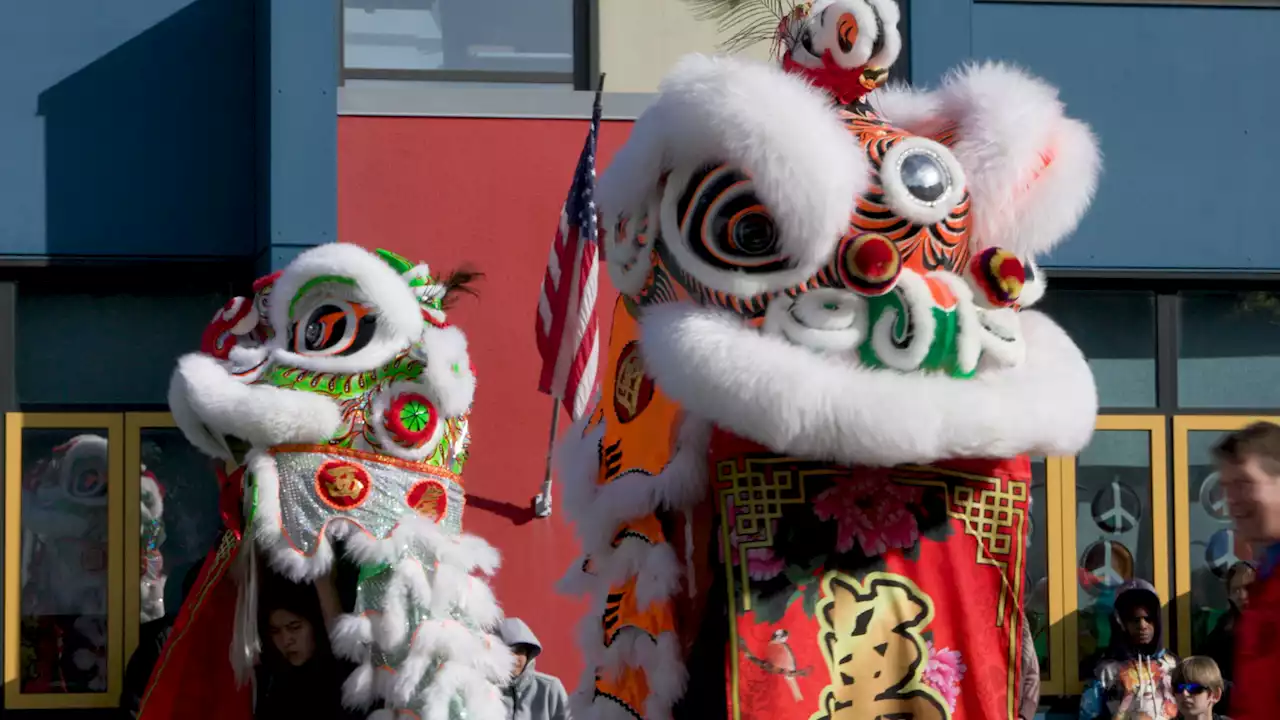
(1192, 688)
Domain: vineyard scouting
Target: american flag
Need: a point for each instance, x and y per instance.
(568, 336)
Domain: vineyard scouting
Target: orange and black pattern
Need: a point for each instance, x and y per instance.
(943, 246)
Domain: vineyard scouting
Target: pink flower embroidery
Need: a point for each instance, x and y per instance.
(871, 508)
(943, 673)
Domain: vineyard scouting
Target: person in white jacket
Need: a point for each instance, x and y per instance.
(531, 695)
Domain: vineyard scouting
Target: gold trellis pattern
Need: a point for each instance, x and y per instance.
(753, 491)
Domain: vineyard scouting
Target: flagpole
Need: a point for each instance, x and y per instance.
(542, 501)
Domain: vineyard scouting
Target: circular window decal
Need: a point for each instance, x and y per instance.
(1213, 499)
(1116, 508)
(1105, 564)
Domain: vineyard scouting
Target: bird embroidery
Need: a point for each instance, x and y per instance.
(779, 659)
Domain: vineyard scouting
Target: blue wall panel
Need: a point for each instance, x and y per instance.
(127, 128)
(298, 111)
(1185, 102)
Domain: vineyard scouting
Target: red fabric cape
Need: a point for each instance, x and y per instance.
(193, 680)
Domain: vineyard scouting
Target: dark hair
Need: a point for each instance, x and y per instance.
(1238, 567)
(459, 282)
(277, 593)
(1259, 440)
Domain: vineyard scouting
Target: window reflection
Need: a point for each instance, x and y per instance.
(1229, 355)
(64, 571)
(1113, 531)
(486, 35)
(1214, 545)
(180, 518)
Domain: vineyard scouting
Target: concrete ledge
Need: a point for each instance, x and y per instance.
(430, 99)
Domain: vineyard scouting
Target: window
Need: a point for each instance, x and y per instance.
(1207, 546)
(1122, 350)
(1116, 492)
(1229, 354)
(483, 40)
(105, 514)
(1043, 598)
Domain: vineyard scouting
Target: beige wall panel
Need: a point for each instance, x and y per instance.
(641, 39)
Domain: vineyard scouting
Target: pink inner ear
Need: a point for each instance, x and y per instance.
(1046, 159)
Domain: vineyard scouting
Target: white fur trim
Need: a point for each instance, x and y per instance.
(351, 636)
(192, 427)
(656, 568)
(801, 403)
(382, 402)
(1007, 120)
(261, 415)
(630, 256)
(448, 369)
(398, 309)
(466, 552)
(268, 531)
(805, 166)
(357, 689)
(899, 198)
(904, 106)
(1036, 285)
(825, 320)
(598, 511)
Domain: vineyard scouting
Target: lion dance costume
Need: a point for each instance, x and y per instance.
(803, 493)
(351, 392)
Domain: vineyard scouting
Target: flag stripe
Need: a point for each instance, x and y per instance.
(566, 325)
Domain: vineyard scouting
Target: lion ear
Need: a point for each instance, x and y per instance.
(1031, 170)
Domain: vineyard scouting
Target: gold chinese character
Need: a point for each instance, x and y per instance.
(429, 503)
(871, 638)
(345, 482)
(630, 379)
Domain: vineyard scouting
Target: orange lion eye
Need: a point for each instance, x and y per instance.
(847, 31)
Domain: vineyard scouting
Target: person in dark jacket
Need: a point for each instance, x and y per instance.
(151, 639)
(531, 695)
(299, 677)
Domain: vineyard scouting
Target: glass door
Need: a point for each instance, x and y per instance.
(1206, 546)
(1115, 529)
(64, 560)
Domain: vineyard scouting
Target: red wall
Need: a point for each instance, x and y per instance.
(487, 192)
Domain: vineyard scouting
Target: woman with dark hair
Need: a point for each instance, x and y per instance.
(299, 675)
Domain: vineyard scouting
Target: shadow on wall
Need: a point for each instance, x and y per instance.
(149, 150)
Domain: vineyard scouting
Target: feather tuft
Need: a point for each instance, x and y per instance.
(748, 22)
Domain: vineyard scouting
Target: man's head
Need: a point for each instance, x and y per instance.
(1197, 683)
(1239, 577)
(1249, 465)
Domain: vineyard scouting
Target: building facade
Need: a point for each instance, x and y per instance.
(162, 155)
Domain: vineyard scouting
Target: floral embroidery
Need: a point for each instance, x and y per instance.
(762, 562)
(871, 508)
(943, 673)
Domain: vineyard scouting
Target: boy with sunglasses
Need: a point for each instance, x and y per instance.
(1197, 683)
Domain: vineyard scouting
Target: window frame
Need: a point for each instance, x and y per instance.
(1157, 428)
(134, 424)
(15, 423)
(584, 47)
(1183, 426)
(1054, 682)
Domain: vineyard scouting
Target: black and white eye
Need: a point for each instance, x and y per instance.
(335, 327)
(725, 225)
(922, 180)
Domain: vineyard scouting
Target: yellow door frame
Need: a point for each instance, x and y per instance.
(1155, 426)
(15, 423)
(134, 424)
(1054, 682)
(1183, 426)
